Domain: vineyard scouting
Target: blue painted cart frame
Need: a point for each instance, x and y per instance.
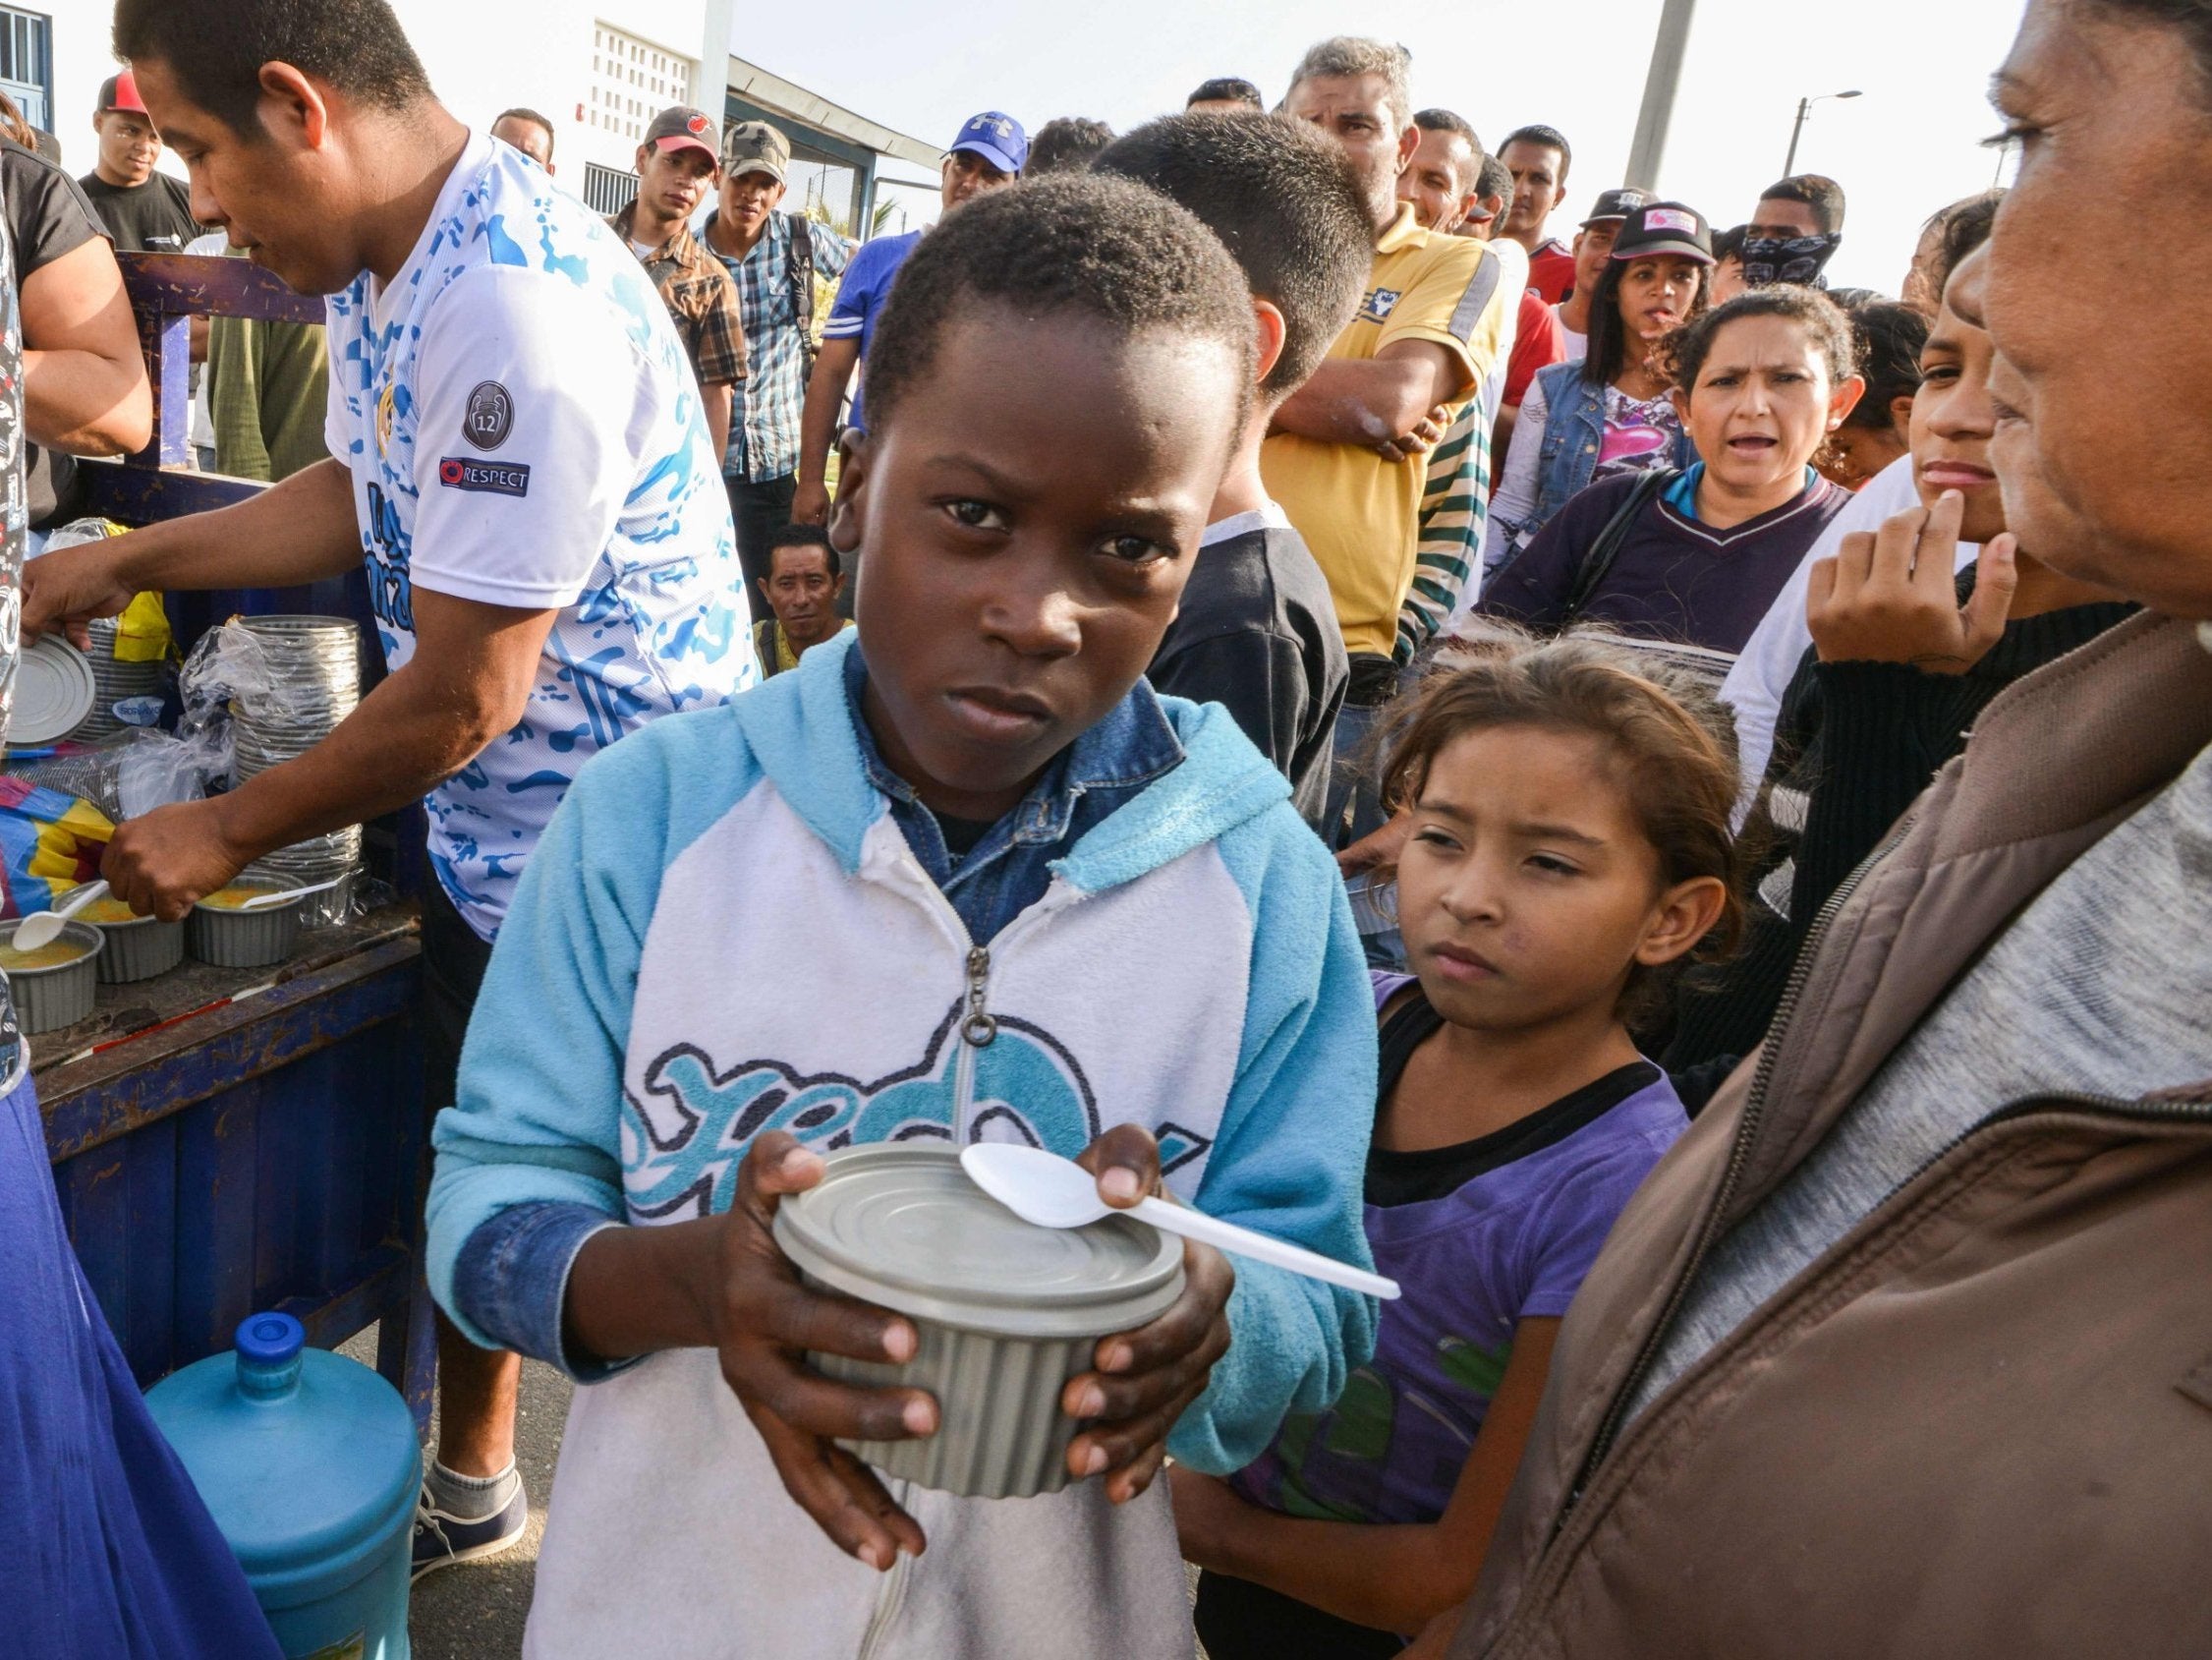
(269, 1152)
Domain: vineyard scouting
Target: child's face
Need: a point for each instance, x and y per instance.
(1027, 517)
(1528, 890)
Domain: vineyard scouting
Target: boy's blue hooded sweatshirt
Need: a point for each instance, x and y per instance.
(724, 932)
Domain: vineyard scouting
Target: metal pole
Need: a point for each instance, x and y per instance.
(1658, 112)
(1804, 108)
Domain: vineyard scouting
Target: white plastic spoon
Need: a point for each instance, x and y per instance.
(45, 927)
(284, 896)
(1050, 1191)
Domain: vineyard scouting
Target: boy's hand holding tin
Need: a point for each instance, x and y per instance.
(722, 1283)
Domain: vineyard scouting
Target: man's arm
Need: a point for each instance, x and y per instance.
(467, 682)
(296, 532)
(716, 401)
(83, 380)
(1375, 400)
(817, 422)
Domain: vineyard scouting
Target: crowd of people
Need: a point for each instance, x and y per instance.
(1664, 806)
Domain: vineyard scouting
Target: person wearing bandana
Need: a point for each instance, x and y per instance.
(1795, 232)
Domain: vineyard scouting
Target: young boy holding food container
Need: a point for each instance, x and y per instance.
(959, 877)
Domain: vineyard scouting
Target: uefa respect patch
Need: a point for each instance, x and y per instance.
(494, 477)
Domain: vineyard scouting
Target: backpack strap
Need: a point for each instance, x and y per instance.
(1605, 547)
(799, 275)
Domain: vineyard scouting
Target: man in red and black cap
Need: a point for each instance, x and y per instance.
(679, 164)
(143, 210)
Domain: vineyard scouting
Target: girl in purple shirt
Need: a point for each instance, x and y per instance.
(1568, 845)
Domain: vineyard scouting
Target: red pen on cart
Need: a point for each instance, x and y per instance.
(172, 1020)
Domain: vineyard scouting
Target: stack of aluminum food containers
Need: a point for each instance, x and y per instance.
(124, 695)
(314, 682)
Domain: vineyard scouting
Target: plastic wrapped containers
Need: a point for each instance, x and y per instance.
(1006, 1312)
(309, 1464)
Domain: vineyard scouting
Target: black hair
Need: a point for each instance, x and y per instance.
(521, 113)
(1820, 317)
(1852, 299)
(1606, 355)
(1227, 88)
(1495, 179)
(1545, 137)
(1966, 227)
(1823, 195)
(1449, 121)
(1104, 250)
(805, 536)
(1287, 204)
(216, 50)
(1728, 244)
(1067, 144)
(1889, 335)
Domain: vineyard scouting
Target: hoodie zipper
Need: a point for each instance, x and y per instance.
(1739, 1154)
(890, 1593)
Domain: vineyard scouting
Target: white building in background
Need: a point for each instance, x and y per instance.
(598, 69)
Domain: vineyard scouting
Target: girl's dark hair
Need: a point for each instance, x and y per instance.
(1966, 227)
(1673, 743)
(1728, 244)
(1890, 336)
(1823, 322)
(1610, 336)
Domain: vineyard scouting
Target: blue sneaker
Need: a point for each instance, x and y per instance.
(443, 1539)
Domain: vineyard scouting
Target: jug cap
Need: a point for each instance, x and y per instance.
(270, 1339)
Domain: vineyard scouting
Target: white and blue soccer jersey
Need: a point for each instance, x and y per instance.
(524, 429)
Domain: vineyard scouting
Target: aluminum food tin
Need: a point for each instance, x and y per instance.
(1006, 1312)
(233, 939)
(48, 999)
(139, 949)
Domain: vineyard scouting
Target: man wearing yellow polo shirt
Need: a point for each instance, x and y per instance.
(1347, 458)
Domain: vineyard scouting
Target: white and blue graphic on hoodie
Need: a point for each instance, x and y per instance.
(1190, 966)
(524, 429)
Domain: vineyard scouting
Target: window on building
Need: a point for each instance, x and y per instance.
(607, 190)
(622, 62)
(27, 65)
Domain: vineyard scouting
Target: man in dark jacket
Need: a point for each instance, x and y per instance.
(1895, 1353)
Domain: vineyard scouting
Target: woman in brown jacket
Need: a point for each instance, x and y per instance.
(1907, 1348)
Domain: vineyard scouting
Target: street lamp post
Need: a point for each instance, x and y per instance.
(1804, 108)
(1659, 83)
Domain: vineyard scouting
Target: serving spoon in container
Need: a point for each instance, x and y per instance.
(284, 896)
(45, 927)
(1049, 1191)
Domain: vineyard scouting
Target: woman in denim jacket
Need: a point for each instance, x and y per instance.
(1609, 413)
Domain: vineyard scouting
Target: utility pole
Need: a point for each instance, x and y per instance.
(1658, 112)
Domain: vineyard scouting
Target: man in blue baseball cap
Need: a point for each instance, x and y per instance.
(990, 150)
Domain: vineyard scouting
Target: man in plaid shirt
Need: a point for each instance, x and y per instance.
(774, 259)
(677, 165)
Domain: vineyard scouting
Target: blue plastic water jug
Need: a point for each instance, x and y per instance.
(310, 1465)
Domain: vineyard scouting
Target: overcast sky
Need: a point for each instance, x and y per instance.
(1908, 146)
